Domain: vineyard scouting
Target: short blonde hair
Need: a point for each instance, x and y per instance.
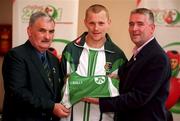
(96, 8)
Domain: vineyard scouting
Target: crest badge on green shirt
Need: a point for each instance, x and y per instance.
(108, 66)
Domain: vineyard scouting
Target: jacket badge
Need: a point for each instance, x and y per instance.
(108, 66)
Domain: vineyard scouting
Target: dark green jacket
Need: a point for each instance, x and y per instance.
(115, 57)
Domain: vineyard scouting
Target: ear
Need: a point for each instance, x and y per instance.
(85, 22)
(29, 31)
(153, 27)
(109, 21)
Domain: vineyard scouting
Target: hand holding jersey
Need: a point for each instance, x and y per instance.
(96, 86)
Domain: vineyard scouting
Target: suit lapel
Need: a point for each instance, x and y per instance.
(37, 64)
(53, 67)
(133, 66)
(130, 62)
(128, 70)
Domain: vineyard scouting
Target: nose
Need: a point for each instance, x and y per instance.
(47, 35)
(135, 27)
(95, 27)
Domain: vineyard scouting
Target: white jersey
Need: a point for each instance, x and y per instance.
(91, 63)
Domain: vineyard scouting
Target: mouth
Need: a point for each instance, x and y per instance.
(96, 33)
(45, 41)
(135, 37)
(136, 34)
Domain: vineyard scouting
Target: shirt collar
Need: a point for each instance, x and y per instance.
(137, 50)
(96, 49)
(40, 54)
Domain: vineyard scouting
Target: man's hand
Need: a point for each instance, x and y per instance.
(60, 110)
(91, 100)
(114, 76)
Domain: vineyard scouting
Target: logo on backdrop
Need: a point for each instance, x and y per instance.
(55, 12)
(168, 17)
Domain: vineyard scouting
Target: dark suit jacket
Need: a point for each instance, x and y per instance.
(143, 88)
(28, 95)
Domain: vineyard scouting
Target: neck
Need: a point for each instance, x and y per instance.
(95, 43)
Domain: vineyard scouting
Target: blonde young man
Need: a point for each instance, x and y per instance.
(90, 55)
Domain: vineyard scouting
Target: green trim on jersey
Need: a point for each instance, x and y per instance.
(92, 62)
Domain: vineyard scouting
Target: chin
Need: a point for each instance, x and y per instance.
(135, 40)
(45, 47)
(97, 38)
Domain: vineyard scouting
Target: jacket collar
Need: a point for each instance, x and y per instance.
(80, 41)
(148, 49)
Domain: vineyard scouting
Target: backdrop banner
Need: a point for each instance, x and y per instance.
(167, 20)
(64, 12)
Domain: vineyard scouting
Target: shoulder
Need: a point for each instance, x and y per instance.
(110, 45)
(157, 56)
(77, 43)
(73, 47)
(52, 56)
(113, 48)
(19, 50)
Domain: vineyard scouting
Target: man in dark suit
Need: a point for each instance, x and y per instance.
(145, 78)
(32, 90)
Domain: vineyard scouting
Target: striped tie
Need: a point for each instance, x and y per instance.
(47, 69)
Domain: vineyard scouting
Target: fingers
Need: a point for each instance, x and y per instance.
(114, 76)
(65, 78)
(60, 111)
(64, 109)
(91, 100)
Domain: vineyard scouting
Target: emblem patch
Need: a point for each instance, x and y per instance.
(108, 66)
(99, 80)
